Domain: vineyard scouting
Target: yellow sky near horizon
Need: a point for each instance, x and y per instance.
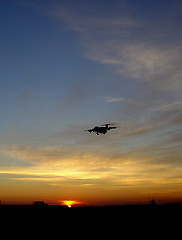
(131, 178)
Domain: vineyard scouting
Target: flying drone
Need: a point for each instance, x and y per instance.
(103, 129)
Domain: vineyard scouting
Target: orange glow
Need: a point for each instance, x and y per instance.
(69, 203)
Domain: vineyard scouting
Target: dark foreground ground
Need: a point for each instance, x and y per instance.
(109, 222)
(127, 211)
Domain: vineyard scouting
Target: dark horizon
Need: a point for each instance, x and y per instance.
(41, 203)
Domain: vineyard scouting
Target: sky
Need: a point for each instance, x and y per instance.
(67, 66)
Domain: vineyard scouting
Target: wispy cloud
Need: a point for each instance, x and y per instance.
(132, 170)
(136, 131)
(133, 48)
(114, 100)
(84, 21)
(150, 169)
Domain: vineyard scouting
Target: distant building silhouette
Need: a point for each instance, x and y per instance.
(153, 203)
(39, 204)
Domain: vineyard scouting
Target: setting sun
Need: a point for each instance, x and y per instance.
(69, 203)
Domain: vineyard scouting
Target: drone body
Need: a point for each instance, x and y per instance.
(101, 130)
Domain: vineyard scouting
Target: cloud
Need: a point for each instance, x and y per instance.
(167, 115)
(114, 99)
(84, 21)
(147, 62)
(133, 46)
(150, 167)
(136, 131)
(138, 52)
(31, 153)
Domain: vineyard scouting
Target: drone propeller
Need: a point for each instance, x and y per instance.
(112, 128)
(108, 124)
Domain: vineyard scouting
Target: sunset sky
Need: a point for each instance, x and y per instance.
(69, 65)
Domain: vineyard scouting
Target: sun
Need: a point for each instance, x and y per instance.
(69, 203)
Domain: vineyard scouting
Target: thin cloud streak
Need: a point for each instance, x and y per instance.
(114, 100)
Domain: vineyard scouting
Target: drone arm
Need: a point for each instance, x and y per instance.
(89, 130)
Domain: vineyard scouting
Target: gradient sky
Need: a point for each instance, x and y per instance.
(66, 66)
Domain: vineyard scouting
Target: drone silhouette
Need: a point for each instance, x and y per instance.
(103, 129)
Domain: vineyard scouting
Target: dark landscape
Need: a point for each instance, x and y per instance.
(125, 220)
(130, 210)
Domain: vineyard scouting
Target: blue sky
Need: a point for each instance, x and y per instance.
(66, 66)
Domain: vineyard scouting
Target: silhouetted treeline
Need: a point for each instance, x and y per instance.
(139, 209)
